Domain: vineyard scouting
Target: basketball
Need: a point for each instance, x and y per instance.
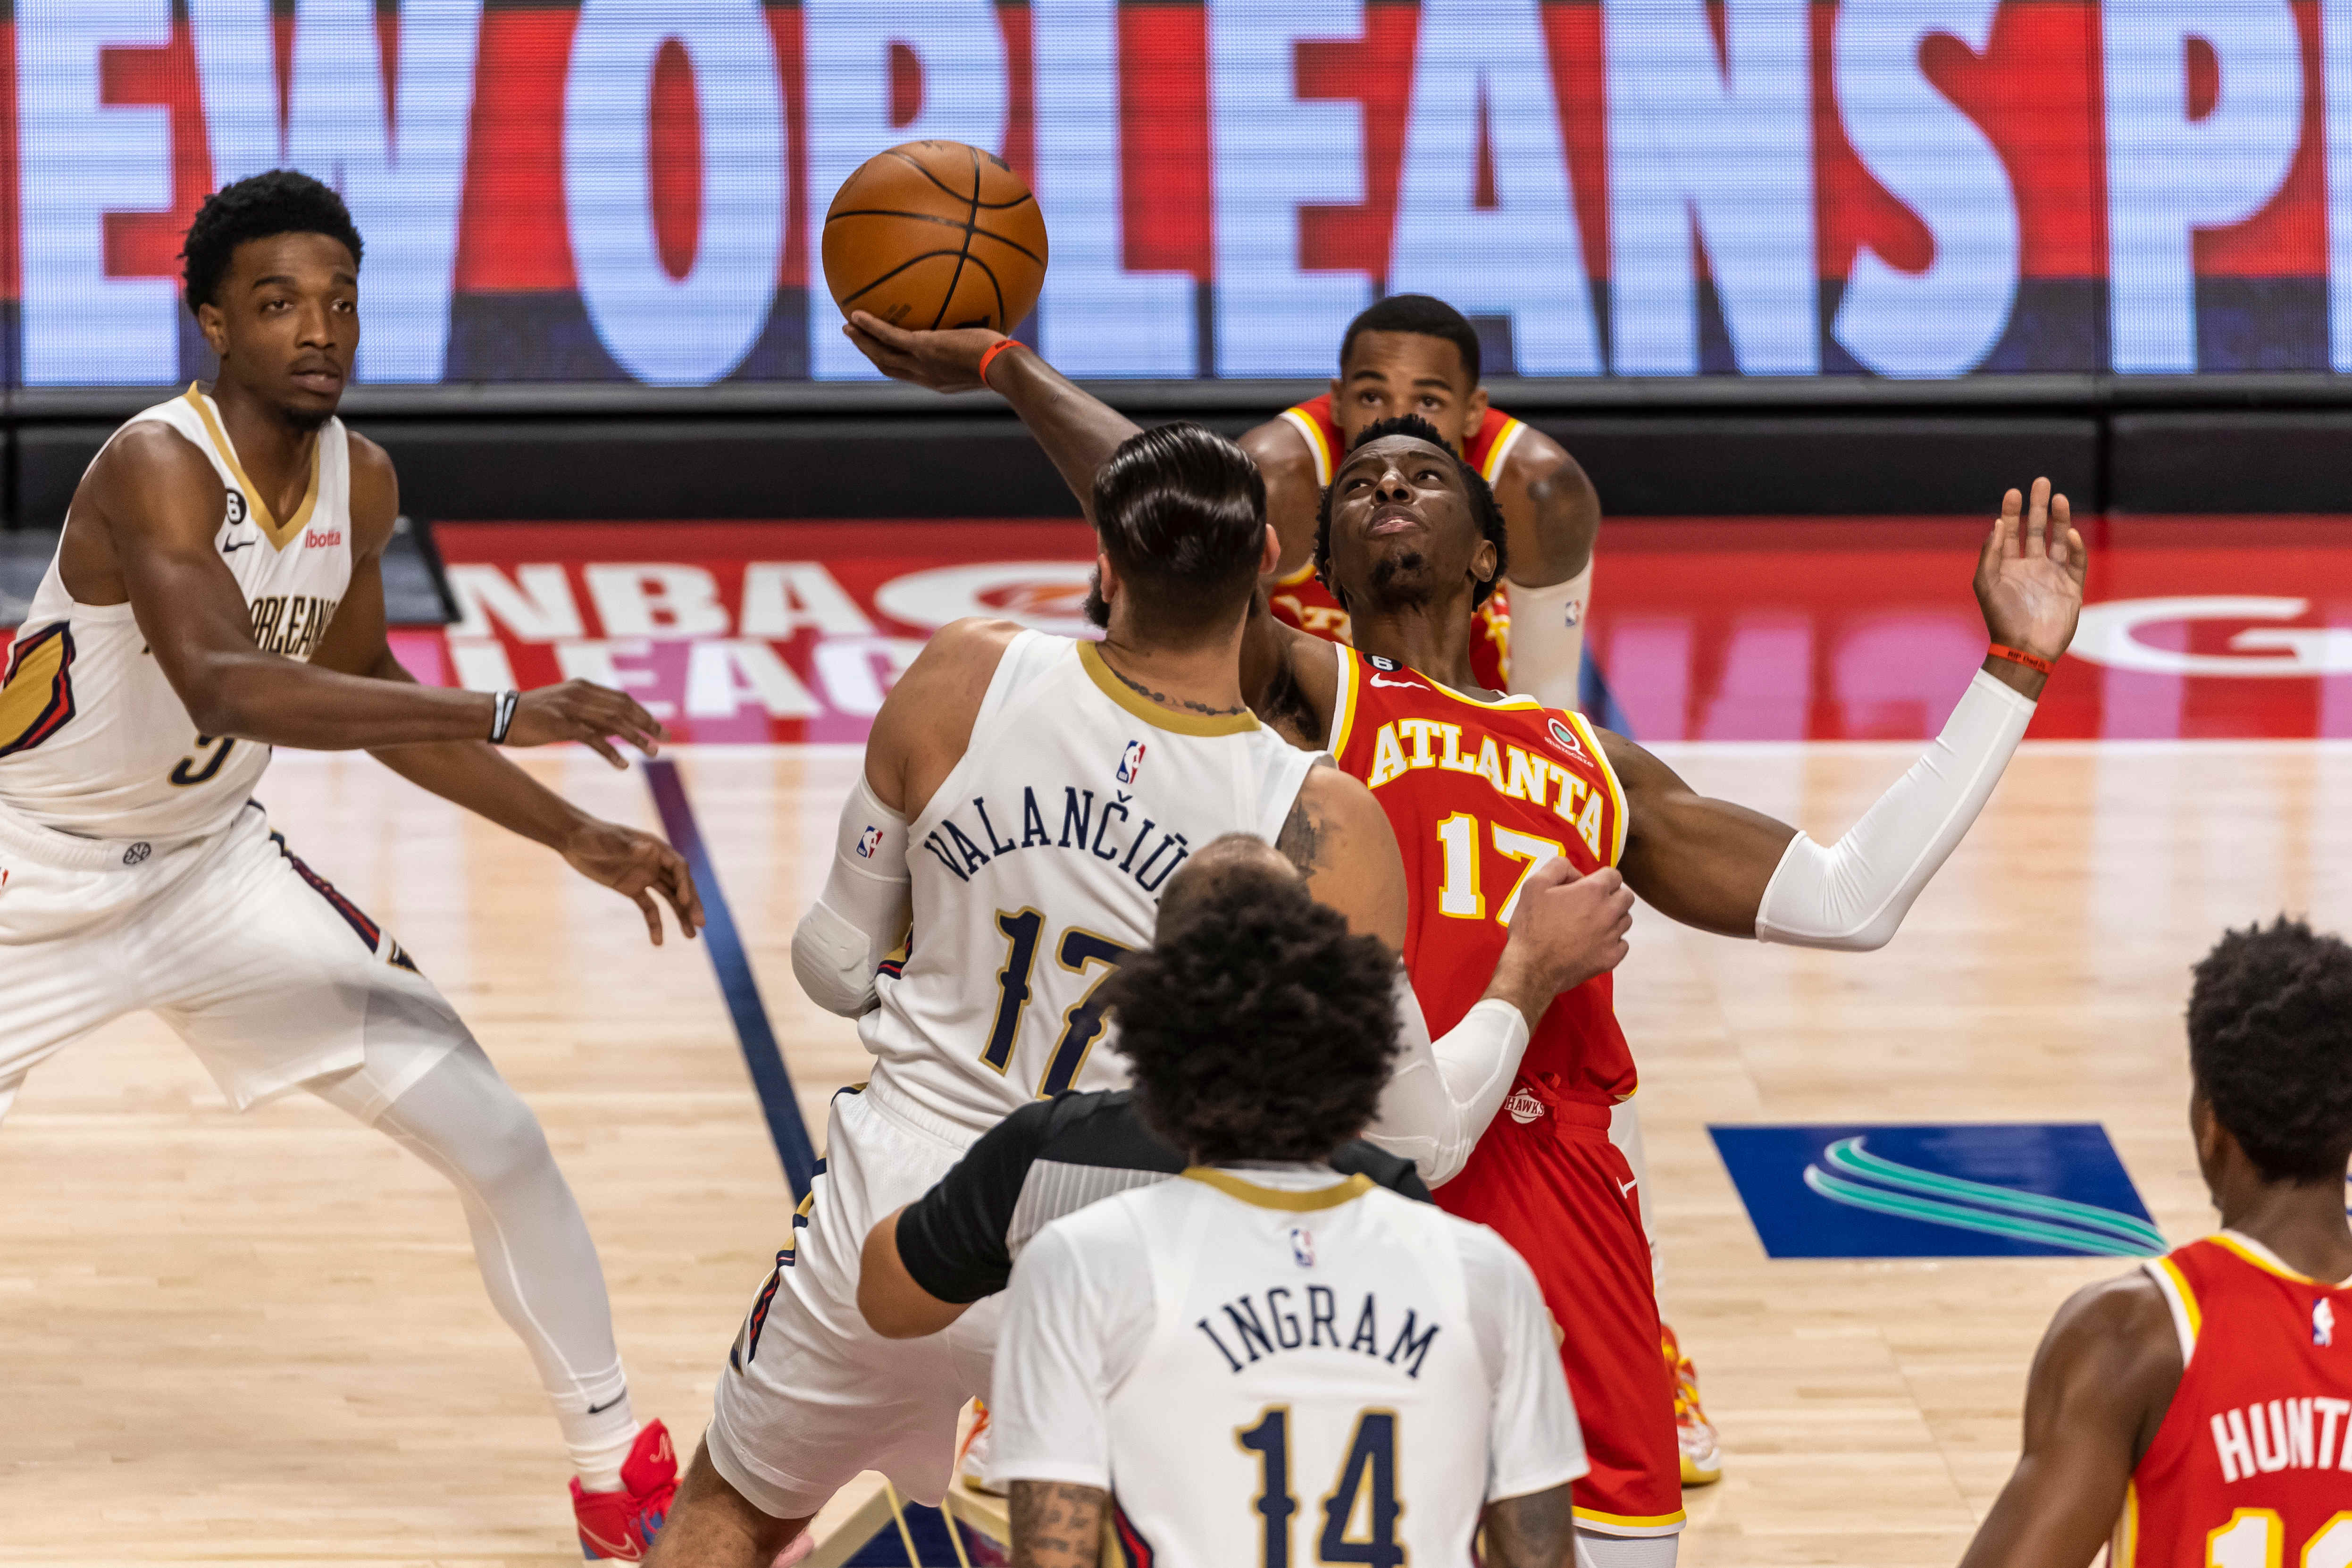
(934, 235)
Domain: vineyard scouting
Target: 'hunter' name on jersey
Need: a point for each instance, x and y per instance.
(1103, 830)
(1283, 1329)
(2283, 1434)
(1409, 746)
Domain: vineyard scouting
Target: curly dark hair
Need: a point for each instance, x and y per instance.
(1257, 1027)
(283, 201)
(1483, 506)
(2270, 1043)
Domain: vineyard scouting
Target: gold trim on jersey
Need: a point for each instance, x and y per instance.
(1616, 790)
(36, 697)
(1499, 453)
(2123, 1549)
(1306, 425)
(1306, 574)
(1634, 1525)
(1108, 682)
(2246, 1247)
(278, 534)
(1343, 1192)
(1344, 700)
(2181, 1301)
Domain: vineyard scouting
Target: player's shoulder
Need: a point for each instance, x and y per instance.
(1278, 445)
(2118, 1338)
(1535, 455)
(1101, 1128)
(155, 449)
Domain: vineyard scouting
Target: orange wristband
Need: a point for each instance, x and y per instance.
(989, 358)
(2019, 656)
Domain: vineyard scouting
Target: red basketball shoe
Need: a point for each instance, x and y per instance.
(620, 1525)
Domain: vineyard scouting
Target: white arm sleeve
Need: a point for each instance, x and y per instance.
(1547, 638)
(864, 911)
(1442, 1094)
(1853, 894)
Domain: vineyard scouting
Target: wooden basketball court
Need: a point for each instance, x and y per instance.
(260, 1338)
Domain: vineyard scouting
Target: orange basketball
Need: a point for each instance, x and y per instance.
(936, 234)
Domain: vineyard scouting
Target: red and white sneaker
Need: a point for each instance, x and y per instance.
(1702, 1450)
(619, 1526)
(971, 1456)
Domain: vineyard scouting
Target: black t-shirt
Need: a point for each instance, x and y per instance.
(1045, 1161)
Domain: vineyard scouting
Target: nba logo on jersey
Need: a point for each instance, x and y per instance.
(1567, 738)
(1130, 762)
(1302, 1247)
(868, 842)
(2323, 1322)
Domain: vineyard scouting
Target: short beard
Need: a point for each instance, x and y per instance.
(1097, 608)
(1402, 581)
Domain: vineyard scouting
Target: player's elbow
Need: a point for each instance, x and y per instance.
(892, 1305)
(829, 959)
(1825, 897)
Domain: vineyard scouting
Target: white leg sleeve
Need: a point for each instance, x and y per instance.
(1443, 1093)
(1855, 893)
(1594, 1549)
(1547, 638)
(1625, 1132)
(864, 911)
(531, 1243)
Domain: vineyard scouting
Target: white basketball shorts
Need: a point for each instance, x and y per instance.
(809, 1395)
(270, 975)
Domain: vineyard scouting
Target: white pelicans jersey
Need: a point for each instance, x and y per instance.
(93, 740)
(1038, 865)
(1279, 1365)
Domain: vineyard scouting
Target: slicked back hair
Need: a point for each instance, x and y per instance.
(1424, 315)
(283, 201)
(2270, 1043)
(1180, 512)
(1484, 508)
(1258, 1027)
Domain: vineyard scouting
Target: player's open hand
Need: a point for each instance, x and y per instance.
(944, 361)
(2030, 576)
(590, 714)
(1566, 928)
(637, 866)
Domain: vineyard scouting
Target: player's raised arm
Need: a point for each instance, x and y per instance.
(1725, 868)
(2100, 1384)
(156, 505)
(472, 773)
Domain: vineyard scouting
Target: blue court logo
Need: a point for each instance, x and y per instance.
(1987, 1190)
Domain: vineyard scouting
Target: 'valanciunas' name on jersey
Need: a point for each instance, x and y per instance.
(1310, 1320)
(1107, 830)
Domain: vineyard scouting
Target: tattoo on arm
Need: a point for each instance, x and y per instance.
(1537, 1530)
(1057, 1524)
(1300, 840)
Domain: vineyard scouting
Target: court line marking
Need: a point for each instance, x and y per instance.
(737, 984)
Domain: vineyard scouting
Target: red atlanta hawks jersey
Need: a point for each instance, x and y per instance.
(1302, 601)
(1478, 793)
(2252, 1467)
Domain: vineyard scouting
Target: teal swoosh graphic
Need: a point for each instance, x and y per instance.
(1849, 1156)
(1930, 1211)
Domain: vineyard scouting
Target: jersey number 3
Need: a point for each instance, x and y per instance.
(1364, 1494)
(1076, 952)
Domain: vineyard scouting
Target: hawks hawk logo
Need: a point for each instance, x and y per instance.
(1130, 762)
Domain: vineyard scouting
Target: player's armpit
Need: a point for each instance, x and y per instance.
(892, 1304)
(1057, 1524)
(925, 720)
(1340, 841)
(1702, 861)
(1537, 1530)
(2106, 1371)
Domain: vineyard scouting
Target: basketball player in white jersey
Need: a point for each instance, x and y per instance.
(1025, 799)
(1205, 1358)
(216, 592)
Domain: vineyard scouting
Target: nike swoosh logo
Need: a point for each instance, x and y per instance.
(240, 544)
(1401, 685)
(620, 1549)
(600, 1409)
(1622, 1188)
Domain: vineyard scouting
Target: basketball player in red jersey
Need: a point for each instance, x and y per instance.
(2198, 1413)
(1479, 788)
(1410, 353)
